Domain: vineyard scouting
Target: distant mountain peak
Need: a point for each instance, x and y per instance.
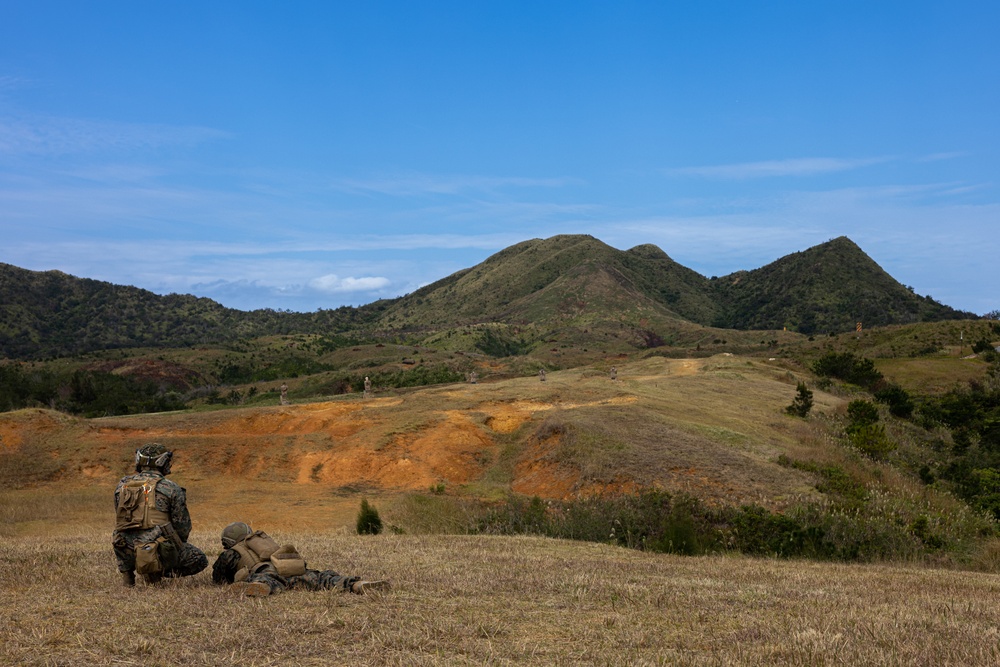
(557, 283)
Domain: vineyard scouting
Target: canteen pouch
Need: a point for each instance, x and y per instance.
(147, 558)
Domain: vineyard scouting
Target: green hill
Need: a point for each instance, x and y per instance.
(828, 288)
(557, 279)
(50, 313)
(569, 287)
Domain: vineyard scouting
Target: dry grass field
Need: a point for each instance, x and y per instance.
(712, 427)
(495, 601)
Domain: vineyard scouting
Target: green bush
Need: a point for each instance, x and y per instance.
(871, 440)
(658, 521)
(849, 368)
(897, 399)
(757, 531)
(419, 376)
(861, 413)
(495, 344)
(982, 345)
(369, 522)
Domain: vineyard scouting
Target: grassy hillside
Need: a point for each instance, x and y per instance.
(828, 288)
(50, 313)
(539, 281)
(565, 287)
(712, 429)
(662, 417)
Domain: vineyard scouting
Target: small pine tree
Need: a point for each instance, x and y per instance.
(803, 402)
(369, 522)
(861, 413)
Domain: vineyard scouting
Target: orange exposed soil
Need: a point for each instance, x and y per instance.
(310, 461)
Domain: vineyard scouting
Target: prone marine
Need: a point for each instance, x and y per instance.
(254, 565)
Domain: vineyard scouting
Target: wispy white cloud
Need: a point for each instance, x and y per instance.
(334, 284)
(772, 168)
(114, 174)
(250, 253)
(937, 157)
(435, 184)
(49, 135)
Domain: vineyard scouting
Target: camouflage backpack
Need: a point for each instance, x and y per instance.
(136, 507)
(259, 551)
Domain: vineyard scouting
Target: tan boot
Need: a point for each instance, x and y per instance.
(362, 587)
(128, 578)
(251, 589)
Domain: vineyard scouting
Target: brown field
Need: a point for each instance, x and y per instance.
(712, 427)
(495, 601)
(934, 375)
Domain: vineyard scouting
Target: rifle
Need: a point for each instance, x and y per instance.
(167, 531)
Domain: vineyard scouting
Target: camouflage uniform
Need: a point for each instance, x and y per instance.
(171, 499)
(228, 563)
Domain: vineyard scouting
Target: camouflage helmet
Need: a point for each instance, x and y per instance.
(153, 455)
(234, 533)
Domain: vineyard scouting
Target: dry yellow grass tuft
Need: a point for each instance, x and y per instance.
(495, 601)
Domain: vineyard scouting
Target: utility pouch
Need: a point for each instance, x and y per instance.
(129, 513)
(147, 557)
(254, 549)
(288, 562)
(170, 555)
(262, 544)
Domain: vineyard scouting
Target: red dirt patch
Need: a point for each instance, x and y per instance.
(450, 451)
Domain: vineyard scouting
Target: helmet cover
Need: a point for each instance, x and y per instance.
(234, 533)
(153, 455)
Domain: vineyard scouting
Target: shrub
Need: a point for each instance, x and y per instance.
(757, 531)
(897, 399)
(982, 345)
(369, 522)
(495, 344)
(871, 440)
(861, 413)
(849, 368)
(802, 403)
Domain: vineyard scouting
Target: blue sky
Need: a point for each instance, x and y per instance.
(309, 155)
